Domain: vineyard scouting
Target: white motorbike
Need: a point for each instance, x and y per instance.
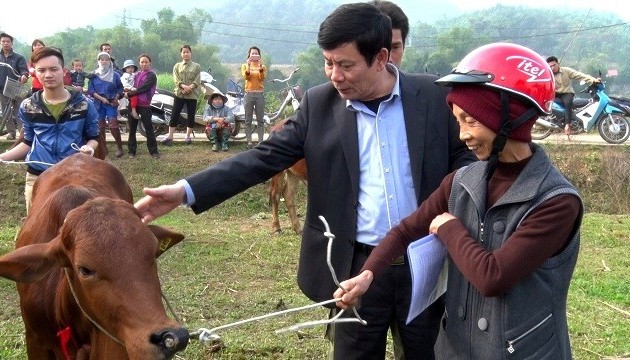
(162, 110)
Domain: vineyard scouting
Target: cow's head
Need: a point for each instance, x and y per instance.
(110, 258)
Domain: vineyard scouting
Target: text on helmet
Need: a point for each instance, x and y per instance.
(537, 72)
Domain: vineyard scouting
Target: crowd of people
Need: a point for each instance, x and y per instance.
(398, 156)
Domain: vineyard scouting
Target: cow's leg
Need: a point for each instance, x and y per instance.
(84, 353)
(275, 191)
(291, 184)
(36, 350)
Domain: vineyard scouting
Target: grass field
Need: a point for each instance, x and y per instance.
(231, 268)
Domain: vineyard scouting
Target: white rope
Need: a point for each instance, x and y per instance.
(76, 299)
(13, 162)
(204, 334)
(209, 334)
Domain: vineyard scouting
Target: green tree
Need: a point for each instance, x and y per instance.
(311, 66)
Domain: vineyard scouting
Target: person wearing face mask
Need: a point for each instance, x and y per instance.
(219, 121)
(106, 89)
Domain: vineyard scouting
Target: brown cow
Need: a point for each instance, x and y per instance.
(86, 271)
(284, 185)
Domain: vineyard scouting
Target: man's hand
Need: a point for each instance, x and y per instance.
(356, 286)
(87, 150)
(159, 201)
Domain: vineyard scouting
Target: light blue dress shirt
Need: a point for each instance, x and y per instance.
(386, 192)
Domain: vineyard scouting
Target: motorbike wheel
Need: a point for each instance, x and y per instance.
(239, 123)
(613, 128)
(540, 132)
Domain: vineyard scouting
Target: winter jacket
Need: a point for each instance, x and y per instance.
(529, 321)
(50, 139)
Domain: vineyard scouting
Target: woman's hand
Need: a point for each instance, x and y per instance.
(356, 287)
(438, 221)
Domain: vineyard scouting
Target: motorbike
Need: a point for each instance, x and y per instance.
(236, 103)
(610, 117)
(162, 110)
(235, 94)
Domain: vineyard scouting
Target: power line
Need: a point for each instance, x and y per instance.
(277, 29)
(498, 38)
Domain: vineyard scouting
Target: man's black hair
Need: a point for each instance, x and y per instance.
(396, 14)
(359, 23)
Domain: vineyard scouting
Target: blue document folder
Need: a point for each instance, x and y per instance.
(429, 272)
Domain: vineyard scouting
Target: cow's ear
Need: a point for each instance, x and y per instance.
(32, 262)
(167, 238)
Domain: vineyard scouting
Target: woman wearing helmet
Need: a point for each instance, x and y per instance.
(509, 222)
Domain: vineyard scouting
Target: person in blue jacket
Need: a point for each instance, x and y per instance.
(56, 121)
(106, 89)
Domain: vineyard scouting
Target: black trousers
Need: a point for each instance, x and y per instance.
(567, 101)
(191, 108)
(387, 300)
(145, 117)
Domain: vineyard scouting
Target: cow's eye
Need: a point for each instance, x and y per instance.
(85, 271)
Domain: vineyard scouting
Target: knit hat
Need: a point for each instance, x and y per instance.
(103, 53)
(484, 105)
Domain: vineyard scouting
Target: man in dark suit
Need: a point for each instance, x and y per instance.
(377, 142)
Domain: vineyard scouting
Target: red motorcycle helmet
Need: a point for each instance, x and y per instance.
(510, 67)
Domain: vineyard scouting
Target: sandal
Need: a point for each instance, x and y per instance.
(167, 142)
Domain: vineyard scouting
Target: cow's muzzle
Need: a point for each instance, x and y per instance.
(170, 341)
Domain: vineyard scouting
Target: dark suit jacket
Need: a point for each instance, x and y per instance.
(325, 133)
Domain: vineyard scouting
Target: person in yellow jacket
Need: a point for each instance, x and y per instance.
(254, 73)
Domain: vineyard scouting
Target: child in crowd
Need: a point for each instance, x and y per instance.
(129, 72)
(77, 75)
(219, 119)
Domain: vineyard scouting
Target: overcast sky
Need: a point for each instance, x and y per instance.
(42, 18)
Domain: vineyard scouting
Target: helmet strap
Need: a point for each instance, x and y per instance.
(506, 128)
